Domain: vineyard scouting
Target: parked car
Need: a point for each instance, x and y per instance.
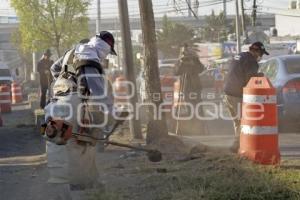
(5, 74)
(284, 73)
(168, 61)
(166, 69)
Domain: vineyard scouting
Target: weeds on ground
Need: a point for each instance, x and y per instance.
(215, 177)
(105, 195)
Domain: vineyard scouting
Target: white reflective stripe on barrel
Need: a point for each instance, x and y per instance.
(177, 94)
(166, 89)
(117, 94)
(5, 94)
(168, 100)
(259, 130)
(270, 99)
(5, 101)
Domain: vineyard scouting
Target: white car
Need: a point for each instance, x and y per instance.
(5, 74)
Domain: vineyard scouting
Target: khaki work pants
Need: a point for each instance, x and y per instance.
(234, 105)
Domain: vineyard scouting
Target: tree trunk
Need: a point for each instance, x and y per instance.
(135, 126)
(157, 128)
(57, 48)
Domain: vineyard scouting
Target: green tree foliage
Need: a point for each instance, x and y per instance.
(51, 23)
(172, 36)
(215, 28)
(26, 56)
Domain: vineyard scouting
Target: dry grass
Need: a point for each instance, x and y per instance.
(213, 176)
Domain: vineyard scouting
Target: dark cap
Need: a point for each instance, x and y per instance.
(47, 53)
(259, 46)
(109, 39)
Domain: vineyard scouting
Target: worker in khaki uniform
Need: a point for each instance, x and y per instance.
(243, 67)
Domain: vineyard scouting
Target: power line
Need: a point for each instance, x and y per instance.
(280, 14)
(274, 8)
(174, 10)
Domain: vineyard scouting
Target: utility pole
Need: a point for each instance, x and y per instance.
(254, 13)
(117, 41)
(225, 16)
(34, 76)
(196, 7)
(245, 34)
(98, 20)
(189, 8)
(34, 67)
(225, 9)
(237, 25)
(135, 126)
(156, 128)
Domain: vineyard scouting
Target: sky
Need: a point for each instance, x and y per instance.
(109, 8)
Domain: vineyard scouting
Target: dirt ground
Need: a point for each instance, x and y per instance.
(208, 173)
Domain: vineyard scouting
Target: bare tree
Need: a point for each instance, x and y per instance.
(156, 128)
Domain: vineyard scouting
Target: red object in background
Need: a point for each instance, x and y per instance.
(167, 90)
(121, 91)
(291, 87)
(16, 92)
(5, 99)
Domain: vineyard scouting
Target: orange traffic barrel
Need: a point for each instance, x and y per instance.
(16, 92)
(259, 123)
(5, 100)
(167, 88)
(121, 91)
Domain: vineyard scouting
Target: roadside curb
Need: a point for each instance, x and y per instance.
(24, 160)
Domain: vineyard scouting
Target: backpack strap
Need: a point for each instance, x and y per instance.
(68, 60)
(80, 63)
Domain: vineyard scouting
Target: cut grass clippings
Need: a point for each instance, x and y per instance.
(213, 177)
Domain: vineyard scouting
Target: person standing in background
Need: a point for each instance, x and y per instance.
(43, 68)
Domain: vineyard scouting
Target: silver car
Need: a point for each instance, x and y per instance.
(284, 73)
